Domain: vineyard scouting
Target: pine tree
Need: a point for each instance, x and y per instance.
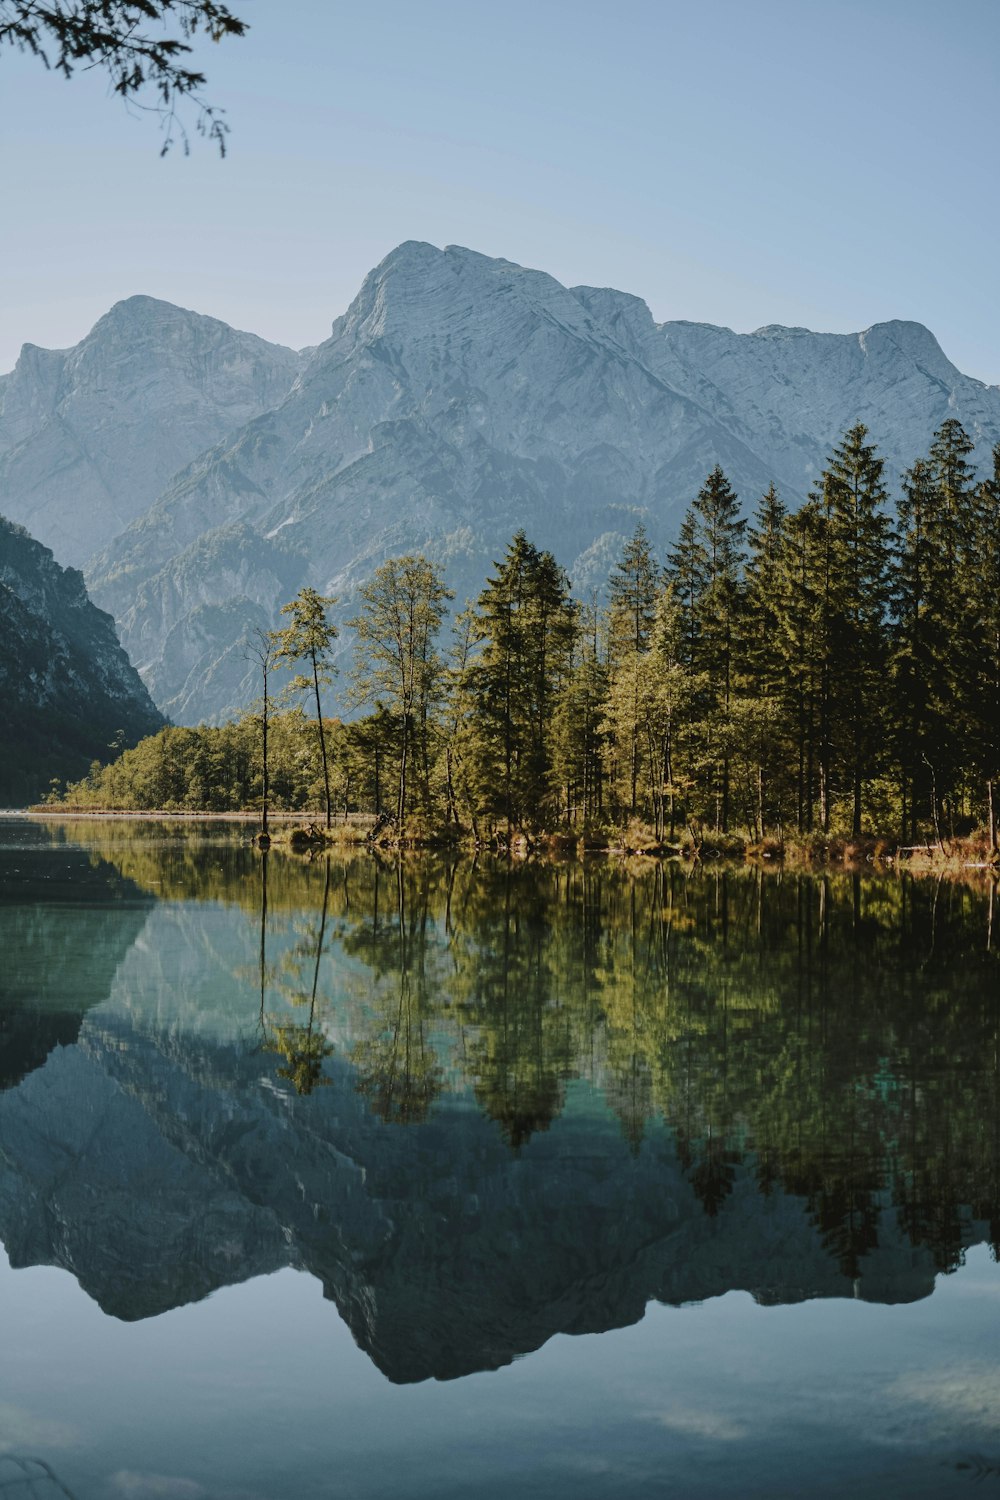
(760, 653)
(938, 634)
(578, 740)
(799, 643)
(632, 591)
(526, 624)
(985, 601)
(855, 616)
(705, 568)
(918, 646)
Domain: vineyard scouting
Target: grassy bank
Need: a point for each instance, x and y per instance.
(636, 840)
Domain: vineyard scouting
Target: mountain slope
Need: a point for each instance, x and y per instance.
(458, 398)
(66, 686)
(90, 436)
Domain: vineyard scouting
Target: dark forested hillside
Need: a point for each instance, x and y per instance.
(68, 693)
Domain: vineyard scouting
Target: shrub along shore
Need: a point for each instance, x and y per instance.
(817, 684)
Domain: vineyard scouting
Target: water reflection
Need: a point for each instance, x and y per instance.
(484, 1102)
(303, 1047)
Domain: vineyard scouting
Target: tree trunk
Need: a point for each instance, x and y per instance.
(322, 741)
(404, 755)
(264, 777)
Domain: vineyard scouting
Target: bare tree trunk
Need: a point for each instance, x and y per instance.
(322, 740)
(760, 801)
(265, 785)
(404, 756)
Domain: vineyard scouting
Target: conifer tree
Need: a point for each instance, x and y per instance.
(705, 568)
(856, 591)
(918, 645)
(632, 591)
(938, 645)
(526, 624)
(799, 639)
(578, 740)
(767, 717)
(957, 545)
(633, 588)
(764, 602)
(985, 601)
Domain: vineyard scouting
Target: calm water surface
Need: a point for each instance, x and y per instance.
(452, 1178)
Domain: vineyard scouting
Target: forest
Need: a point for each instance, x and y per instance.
(833, 669)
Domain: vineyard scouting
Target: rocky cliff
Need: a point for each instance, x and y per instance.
(67, 689)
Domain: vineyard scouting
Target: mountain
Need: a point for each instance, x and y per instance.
(90, 436)
(67, 689)
(458, 398)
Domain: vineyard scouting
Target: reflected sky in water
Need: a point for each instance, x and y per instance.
(358, 1178)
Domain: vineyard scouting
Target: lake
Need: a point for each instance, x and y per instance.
(442, 1177)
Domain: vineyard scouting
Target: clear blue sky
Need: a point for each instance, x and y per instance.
(830, 163)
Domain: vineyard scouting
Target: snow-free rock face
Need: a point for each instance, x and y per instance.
(90, 436)
(66, 686)
(458, 398)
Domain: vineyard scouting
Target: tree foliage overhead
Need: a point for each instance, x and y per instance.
(144, 47)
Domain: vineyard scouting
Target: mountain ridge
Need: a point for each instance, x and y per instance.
(457, 398)
(90, 435)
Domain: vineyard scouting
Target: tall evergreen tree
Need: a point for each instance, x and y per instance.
(768, 714)
(761, 657)
(632, 591)
(856, 594)
(985, 590)
(633, 588)
(938, 644)
(799, 642)
(919, 646)
(578, 740)
(526, 624)
(706, 570)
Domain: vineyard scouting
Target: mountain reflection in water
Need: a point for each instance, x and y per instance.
(484, 1103)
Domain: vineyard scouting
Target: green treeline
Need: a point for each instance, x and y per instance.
(834, 669)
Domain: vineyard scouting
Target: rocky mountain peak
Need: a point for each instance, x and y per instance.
(911, 341)
(459, 397)
(89, 436)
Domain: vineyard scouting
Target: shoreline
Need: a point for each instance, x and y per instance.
(301, 832)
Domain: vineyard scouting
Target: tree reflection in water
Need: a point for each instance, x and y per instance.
(837, 1036)
(302, 1046)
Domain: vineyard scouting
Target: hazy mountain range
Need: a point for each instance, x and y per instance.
(201, 476)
